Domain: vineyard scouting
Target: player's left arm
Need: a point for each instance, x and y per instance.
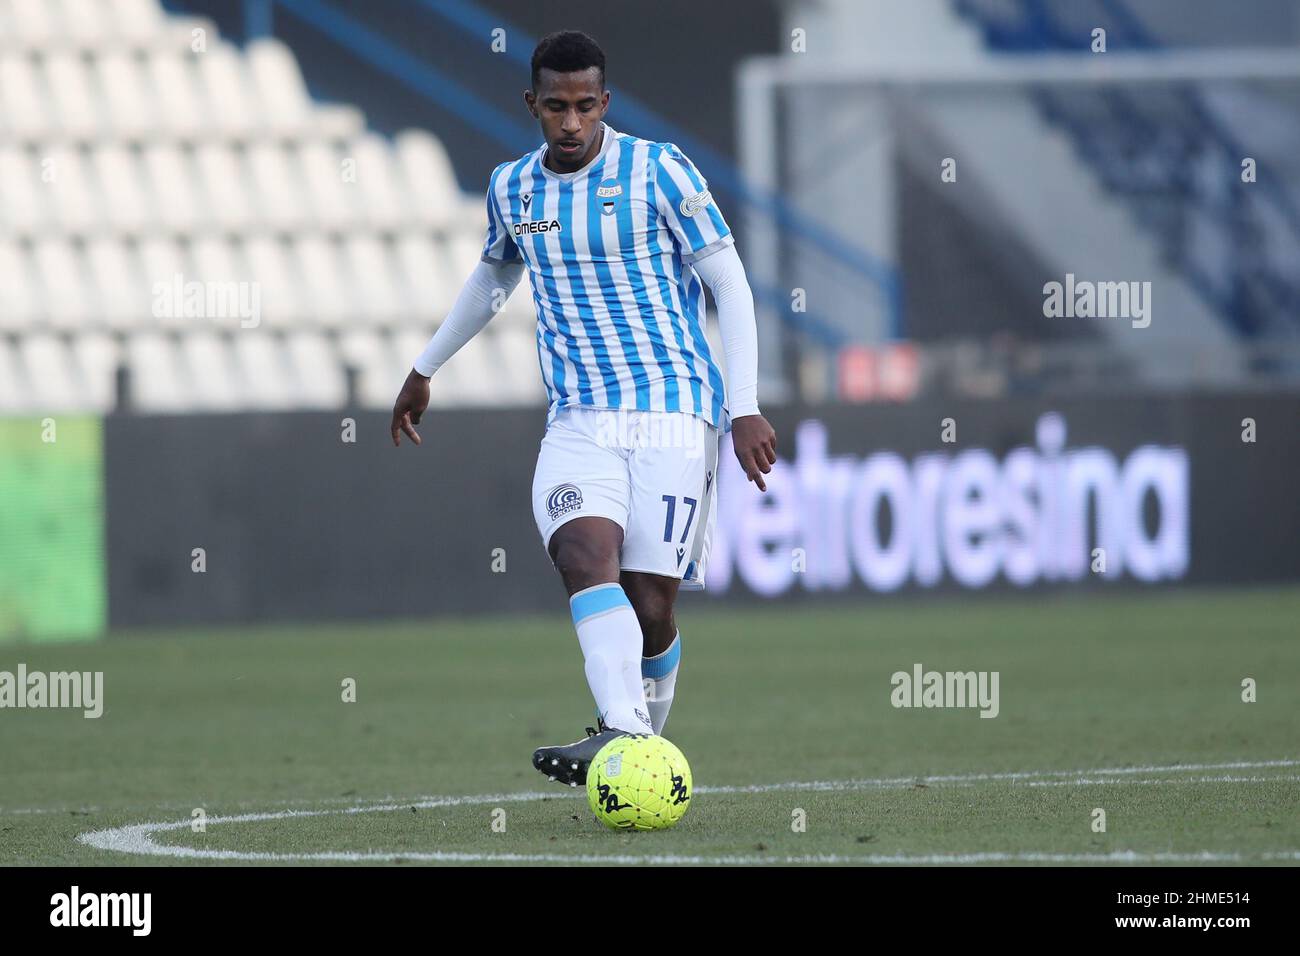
(705, 242)
(752, 438)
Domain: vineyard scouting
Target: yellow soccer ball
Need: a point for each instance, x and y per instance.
(639, 782)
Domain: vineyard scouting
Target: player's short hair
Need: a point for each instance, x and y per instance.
(567, 51)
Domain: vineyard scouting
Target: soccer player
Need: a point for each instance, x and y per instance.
(616, 234)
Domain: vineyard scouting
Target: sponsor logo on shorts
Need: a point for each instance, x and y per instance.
(563, 499)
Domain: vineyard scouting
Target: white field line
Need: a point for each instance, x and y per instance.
(139, 838)
(963, 779)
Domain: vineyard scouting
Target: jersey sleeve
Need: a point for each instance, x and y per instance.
(687, 207)
(498, 247)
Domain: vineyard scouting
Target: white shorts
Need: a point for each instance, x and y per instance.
(652, 473)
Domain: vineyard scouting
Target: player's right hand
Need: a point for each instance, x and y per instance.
(412, 400)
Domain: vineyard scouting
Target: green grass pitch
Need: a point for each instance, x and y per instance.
(1129, 703)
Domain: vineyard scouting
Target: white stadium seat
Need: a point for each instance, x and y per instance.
(34, 22)
(24, 197)
(123, 297)
(66, 281)
(25, 114)
(228, 103)
(97, 358)
(519, 379)
(430, 183)
(174, 82)
(128, 99)
(380, 372)
(156, 374)
(266, 378)
(174, 181)
(75, 103)
(20, 300)
(122, 185)
(71, 189)
(374, 279)
(14, 394)
(428, 292)
(85, 22)
(278, 86)
(210, 371)
(320, 271)
(269, 266)
(280, 202)
(136, 20)
(318, 373)
(50, 373)
(226, 185)
(163, 264)
(378, 180)
(332, 201)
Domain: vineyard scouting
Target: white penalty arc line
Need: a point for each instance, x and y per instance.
(1081, 777)
(138, 838)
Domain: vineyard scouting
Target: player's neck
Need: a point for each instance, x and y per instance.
(596, 147)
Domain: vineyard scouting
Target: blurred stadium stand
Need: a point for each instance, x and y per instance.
(131, 164)
(128, 159)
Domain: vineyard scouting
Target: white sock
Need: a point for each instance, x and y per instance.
(610, 636)
(659, 677)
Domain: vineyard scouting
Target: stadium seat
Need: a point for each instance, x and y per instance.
(50, 374)
(173, 80)
(130, 103)
(120, 182)
(97, 357)
(321, 274)
(34, 23)
(75, 104)
(73, 193)
(228, 100)
(318, 373)
(25, 111)
(428, 291)
(20, 300)
(372, 276)
(279, 199)
(379, 370)
(278, 86)
(210, 371)
(22, 194)
(14, 394)
(377, 179)
(430, 182)
(84, 22)
(163, 263)
(331, 201)
(173, 180)
(123, 297)
(65, 279)
(226, 186)
(136, 20)
(156, 374)
(269, 267)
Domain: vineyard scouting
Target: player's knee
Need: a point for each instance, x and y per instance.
(584, 562)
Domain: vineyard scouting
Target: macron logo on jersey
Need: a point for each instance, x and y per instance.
(534, 226)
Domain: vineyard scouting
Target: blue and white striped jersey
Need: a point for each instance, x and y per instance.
(620, 311)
